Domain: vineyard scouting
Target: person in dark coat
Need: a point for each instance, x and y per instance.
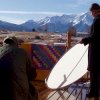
(16, 72)
(94, 51)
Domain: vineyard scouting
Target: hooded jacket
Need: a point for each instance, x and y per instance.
(16, 71)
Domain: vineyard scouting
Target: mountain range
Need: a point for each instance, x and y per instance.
(59, 24)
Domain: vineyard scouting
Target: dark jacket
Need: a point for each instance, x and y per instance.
(16, 71)
(94, 45)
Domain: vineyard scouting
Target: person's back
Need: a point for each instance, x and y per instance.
(5, 90)
(15, 73)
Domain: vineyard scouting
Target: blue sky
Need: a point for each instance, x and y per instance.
(19, 11)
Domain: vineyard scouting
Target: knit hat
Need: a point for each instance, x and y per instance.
(94, 6)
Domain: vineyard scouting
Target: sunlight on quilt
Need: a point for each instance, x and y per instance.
(46, 56)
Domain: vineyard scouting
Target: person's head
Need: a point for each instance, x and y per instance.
(10, 40)
(95, 9)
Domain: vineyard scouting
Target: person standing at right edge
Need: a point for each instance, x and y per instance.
(94, 52)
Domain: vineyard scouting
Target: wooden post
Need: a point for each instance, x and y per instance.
(69, 40)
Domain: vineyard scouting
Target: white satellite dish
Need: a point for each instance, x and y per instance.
(71, 67)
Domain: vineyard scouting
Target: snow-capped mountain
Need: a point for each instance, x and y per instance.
(83, 22)
(61, 24)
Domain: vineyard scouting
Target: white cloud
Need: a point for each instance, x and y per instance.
(19, 17)
(30, 12)
(11, 19)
